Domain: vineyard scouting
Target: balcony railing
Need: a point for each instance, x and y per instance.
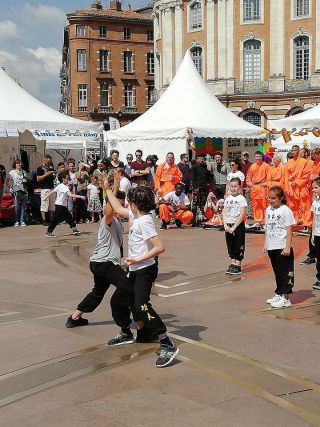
(130, 109)
(105, 109)
(252, 87)
(297, 85)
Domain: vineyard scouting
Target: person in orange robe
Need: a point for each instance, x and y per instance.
(297, 175)
(257, 183)
(276, 173)
(167, 176)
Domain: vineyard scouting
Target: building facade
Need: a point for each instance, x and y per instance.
(260, 57)
(108, 63)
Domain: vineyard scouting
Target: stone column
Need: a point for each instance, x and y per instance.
(230, 38)
(210, 40)
(167, 38)
(277, 30)
(178, 36)
(222, 47)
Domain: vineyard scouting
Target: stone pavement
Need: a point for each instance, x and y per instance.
(240, 363)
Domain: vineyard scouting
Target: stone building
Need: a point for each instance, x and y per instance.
(108, 63)
(260, 57)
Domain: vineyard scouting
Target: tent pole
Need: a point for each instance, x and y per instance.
(101, 145)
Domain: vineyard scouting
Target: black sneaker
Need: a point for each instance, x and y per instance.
(229, 269)
(73, 323)
(308, 261)
(316, 286)
(121, 338)
(235, 269)
(163, 226)
(167, 354)
(145, 335)
(48, 234)
(178, 223)
(75, 231)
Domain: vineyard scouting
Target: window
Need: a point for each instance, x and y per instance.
(253, 118)
(103, 31)
(196, 54)
(81, 60)
(150, 63)
(127, 58)
(80, 30)
(104, 94)
(104, 58)
(302, 8)
(250, 142)
(233, 142)
(150, 35)
(150, 94)
(252, 60)
(82, 97)
(196, 15)
(251, 10)
(127, 33)
(128, 96)
(233, 155)
(301, 57)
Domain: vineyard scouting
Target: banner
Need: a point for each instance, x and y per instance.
(114, 123)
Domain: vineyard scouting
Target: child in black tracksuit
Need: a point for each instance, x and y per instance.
(233, 220)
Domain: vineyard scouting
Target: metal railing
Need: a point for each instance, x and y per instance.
(254, 86)
(295, 85)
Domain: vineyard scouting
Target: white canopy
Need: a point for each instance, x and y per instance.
(186, 104)
(306, 120)
(282, 147)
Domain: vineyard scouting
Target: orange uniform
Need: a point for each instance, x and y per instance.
(166, 178)
(275, 176)
(297, 175)
(182, 215)
(257, 183)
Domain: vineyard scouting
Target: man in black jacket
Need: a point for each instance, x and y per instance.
(200, 177)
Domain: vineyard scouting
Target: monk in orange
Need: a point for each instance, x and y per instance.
(315, 169)
(276, 173)
(257, 183)
(167, 176)
(297, 175)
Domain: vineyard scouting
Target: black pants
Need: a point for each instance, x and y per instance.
(312, 250)
(199, 199)
(283, 268)
(317, 254)
(61, 213)
(236, 242)
(104, 274)
(135, 294)
(220, 191)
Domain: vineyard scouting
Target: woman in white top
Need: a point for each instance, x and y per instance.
(17, 181)
(235, 173)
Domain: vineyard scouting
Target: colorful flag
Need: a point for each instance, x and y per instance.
(286, 136)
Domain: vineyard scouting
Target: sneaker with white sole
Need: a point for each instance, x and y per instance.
(75, 231)
(48, 234)
(229, 269)
(23, 224)
(166, 355)
(274, 298)
(281, 302)
(121, 339)
(16, 224)
(316, 286)
(235, 270)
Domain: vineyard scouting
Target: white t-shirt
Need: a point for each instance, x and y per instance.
(142, 229)
(62, 195)
(94, 191)
(232, 207)
(237, 174)
(173, 199)
(315, 208)
(277, 221)
(125, 185)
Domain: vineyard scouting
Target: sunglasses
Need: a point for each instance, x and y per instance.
(129, 158)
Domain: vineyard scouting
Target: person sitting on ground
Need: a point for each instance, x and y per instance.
(175, 205)
(213, 211)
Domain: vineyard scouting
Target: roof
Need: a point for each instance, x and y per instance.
(186, 104)
(305, 120)
(109, 13)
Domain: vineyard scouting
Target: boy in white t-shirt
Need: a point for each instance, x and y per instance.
(234, 211)
(315, 236)
(143, 246)
(175, 205)
(61, 212)
(278, 246)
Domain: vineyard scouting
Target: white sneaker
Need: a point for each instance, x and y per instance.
(16, 224)
(23, 224)
(274, 298)
(282, 302)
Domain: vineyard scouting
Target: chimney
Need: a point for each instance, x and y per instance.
(115, 5)
(96, 4)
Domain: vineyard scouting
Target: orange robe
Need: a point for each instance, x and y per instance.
(297, 175)
(257, 182)
(166, 178)
(275, 176)
(166, 215)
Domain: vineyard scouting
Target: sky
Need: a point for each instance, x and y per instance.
(31, 37)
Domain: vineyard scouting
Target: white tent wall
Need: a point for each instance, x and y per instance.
(282, 147)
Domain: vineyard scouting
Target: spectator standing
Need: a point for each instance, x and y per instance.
(235, 173)
(82, 178)
(184, 167)
(3, 175)
(61, 168)
(127, 167)
(94, 204)
(245, 165)
(151, 165)
(45, 178)
(114, 161)
(139, 170)
(200, 178)
(17, 181)
(220, 170)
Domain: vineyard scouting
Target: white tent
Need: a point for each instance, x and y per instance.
(21, 112)
(306, 120)
(186, 104)
(282, 147)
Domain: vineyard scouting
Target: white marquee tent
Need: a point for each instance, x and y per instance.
(24, 117)
(306, 120)
(282, 147)
(186, 104)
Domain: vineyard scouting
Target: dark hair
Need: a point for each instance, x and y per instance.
(237, 161)
(15, 162)
(138, 151)
(61, 164)
(62, 176)
(295, 146)
(179, 184)
(316, 181)
(170, 152)
(114, 151)
(142, 197)
(155, 158)
(120, 195)
(47, 156)
(289, 155)
(279, 192)
(218, 153)
(121, 171)
(258, 152)
(71, 161)
(150, 157)
(236, 179)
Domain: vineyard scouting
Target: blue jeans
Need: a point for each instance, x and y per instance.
(20, 199)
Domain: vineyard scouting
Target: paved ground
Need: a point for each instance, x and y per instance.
(240, 363)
